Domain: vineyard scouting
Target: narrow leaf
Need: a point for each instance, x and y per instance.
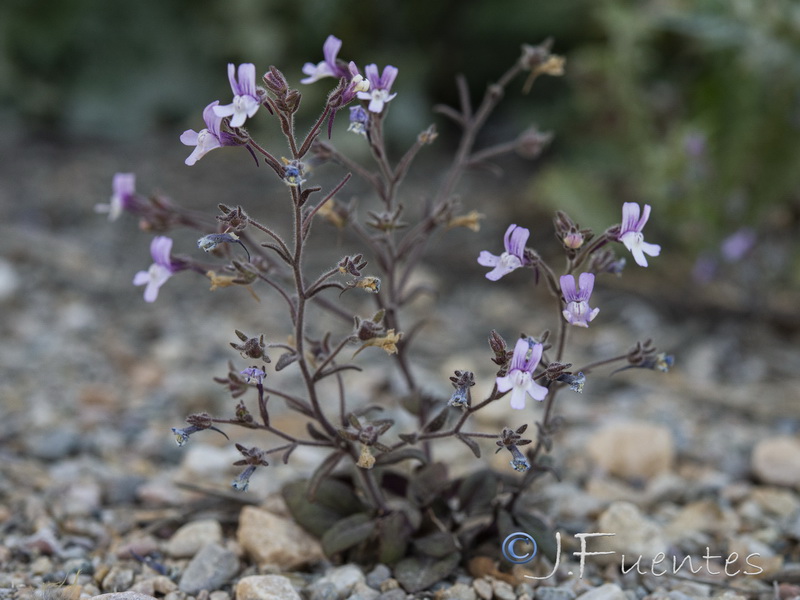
(472, 444)
(321, 472)
(347, 533)
(396, 456)
(438, 421)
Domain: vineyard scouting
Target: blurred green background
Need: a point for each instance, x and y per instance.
(692, 106)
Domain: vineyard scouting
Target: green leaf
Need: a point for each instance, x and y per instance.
(348, 532)
(395, 530)
(427, 483)
(322, 472)
(334, 501)
(545, 537)
(418, 573)
(438, 421)
(472, 444)
(396, 456)
(409, 438)
(437, 545)
(477, 491)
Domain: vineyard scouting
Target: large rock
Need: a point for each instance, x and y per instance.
(777, 461)
(632, 449)
(273, 540)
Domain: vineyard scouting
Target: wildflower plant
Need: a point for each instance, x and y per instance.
(380, 494)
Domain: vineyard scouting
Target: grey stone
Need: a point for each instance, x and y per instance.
(609, 591)
(554, 593)
(361, 591)
(378, 575)
(123, 596)
(211, 567)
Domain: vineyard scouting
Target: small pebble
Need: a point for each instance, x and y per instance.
(337, 583)
(118, 579)
(378, 575)
(395, 594)
(503, 590)
(483, 588)
(634, 535)
(266, 587)
(361, 591)
(123, 596)
(459, 591)
(777, 461)
(609, 591)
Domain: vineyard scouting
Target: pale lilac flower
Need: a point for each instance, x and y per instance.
(577, 311)
(631, 233)
(253, 375)
(206, 139)
(514, 256)
(245, 95)
(123, 192)
(161, 269)
(520, 374)
(328, 67)
(379, 87)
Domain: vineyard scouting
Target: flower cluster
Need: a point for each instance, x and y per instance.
(326, 358)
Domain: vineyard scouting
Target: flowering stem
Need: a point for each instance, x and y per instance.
(273, 162)
(318, 373)
(600, 363)
(472, 124)
(599, 242)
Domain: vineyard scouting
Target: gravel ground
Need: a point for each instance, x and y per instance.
(703, 461)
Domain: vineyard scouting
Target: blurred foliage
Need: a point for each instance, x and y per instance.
(692, 106)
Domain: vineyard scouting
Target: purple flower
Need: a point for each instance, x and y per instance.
(207, 139)
(123, 192)
(328, 67)
(161, 269)
(738, 244)
(514, 256)
(245, 95)
(631, 233)
(520, 375)
(379, 87)
(577, 311)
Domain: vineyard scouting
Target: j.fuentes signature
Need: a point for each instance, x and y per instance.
(657, 566)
